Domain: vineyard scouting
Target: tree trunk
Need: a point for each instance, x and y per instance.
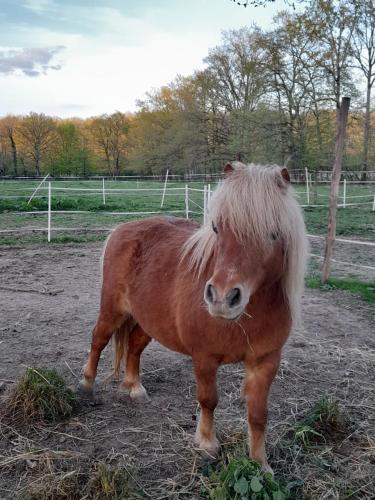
(335, 182)
(37, 162)
(117, 166)
(14, 154)
(24, 169)
(366, 131)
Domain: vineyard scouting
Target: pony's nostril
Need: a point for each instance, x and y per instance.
(210, 294)
(233, 297)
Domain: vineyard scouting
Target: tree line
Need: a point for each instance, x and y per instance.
(264, 96)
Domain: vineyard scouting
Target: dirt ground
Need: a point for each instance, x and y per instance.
(49, 299)
(349, 260)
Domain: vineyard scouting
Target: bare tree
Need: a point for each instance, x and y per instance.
(8, 126)
(332, 24)
(109, 134)
(364, 54)
(37, 137)
(293, 80)
(237, 70)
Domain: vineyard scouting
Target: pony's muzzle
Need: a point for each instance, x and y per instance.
(229, 305)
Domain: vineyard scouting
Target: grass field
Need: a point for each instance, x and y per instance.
(352, 220)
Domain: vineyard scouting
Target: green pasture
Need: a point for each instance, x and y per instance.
(352, 220)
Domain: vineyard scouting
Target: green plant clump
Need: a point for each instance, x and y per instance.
(40, 394)
(111, 483)
(320, 424)
(244, 479)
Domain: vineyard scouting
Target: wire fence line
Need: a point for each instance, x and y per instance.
(188, 200)
(297, 175)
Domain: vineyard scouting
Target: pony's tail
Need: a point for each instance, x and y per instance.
(121, 336)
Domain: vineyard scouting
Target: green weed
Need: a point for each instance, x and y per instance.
(320, 424)
(241, 479)
(40, 395)
(111, 483)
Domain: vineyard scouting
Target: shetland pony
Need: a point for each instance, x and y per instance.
(224, 292)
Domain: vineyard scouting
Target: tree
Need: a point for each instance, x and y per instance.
(37, 133)
(332, 24)
(72, 155)
(110, 136)
(364, 54)
(237, 70)
(293, 80)
(8, 126)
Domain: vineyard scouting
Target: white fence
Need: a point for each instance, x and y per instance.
(189, 205)
(191, 200)
(345, 199)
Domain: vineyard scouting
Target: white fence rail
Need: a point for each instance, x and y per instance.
(188, 205)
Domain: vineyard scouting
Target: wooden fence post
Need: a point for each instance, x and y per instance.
(335, 183)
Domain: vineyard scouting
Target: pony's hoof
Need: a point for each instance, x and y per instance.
(137, 392)
(267, 468)
(207, 446)
(85, 387)
(85, 392)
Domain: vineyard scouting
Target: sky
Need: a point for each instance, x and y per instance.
(84, 58)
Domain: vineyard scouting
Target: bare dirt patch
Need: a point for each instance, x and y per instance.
(49, 299)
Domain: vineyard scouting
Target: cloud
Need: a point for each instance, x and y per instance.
(37, 6)
(29, 61)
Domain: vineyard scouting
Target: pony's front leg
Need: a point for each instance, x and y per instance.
(259, 377)
(205, 373)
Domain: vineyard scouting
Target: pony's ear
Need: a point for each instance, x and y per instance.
(285, 174)
(228, 169)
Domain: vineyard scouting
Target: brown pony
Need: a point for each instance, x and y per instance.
(224, 292)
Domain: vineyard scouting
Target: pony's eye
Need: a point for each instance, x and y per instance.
(214, 228)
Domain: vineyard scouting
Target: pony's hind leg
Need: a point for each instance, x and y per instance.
(101, 334)
(131, 384)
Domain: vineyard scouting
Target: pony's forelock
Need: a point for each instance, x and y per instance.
(255, 202)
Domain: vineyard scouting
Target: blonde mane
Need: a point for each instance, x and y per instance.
(254, 202)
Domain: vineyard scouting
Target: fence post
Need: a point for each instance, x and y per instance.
(344, 195)
(49, 213)
(307, 186)
(165, 187)
(209, 194)
(103, 192)
(373, 204)
(187, 201)
(204, 203)
(334, 189)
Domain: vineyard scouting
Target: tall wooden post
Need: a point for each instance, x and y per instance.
(335, 183)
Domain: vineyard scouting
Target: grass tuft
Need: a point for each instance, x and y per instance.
(321, 424)
(111, 483)
(58, 486)
(40, 395)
